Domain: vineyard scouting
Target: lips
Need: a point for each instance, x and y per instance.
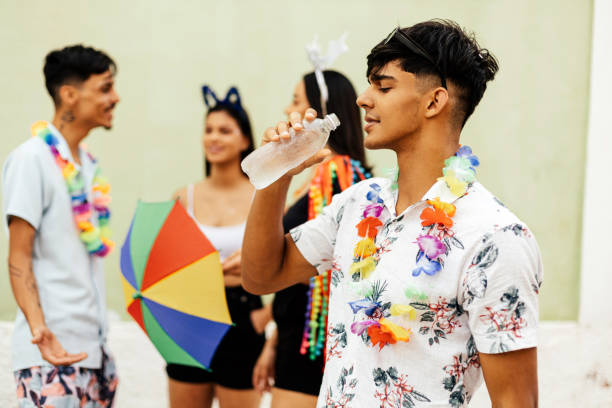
(109, 112)
(214, 149)
(370, 123)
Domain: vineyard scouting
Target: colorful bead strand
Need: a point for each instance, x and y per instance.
(307, 315)
(320, 342)
(342, 171)
(314, 318)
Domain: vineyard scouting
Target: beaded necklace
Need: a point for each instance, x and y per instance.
(344, 171)
(458, 173)
(96, 238)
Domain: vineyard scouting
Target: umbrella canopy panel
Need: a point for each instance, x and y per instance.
(179, 243)
(173, 284)
(145, 227)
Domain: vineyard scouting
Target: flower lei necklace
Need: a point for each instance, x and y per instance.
(96, 239)
(458, 173)
(345, 171)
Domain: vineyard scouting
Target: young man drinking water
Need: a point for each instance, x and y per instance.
(56, 208)
(434, 282)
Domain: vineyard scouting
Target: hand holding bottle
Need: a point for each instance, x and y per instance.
(281, 131)
(299, 145)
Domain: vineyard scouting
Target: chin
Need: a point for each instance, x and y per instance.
(214, 159)
(106, 124)
(373, 143)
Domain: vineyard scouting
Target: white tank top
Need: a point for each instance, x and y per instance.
(226, 240)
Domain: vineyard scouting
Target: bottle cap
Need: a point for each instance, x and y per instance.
(333, 120)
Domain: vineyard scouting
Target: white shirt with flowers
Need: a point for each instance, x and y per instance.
(483, 299)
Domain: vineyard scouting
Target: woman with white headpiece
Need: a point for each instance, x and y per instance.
(291, 364)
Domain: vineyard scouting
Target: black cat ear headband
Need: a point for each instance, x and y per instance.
(232, 98)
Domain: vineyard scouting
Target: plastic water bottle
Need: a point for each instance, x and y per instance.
(268, 163)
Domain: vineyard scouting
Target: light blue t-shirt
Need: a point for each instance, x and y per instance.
(70, 281)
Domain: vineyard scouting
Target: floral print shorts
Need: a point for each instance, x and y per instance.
(67, 386)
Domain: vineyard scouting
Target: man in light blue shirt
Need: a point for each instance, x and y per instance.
(55, 206)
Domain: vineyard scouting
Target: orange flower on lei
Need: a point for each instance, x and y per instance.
(368, 227)
(380, 336)
(434, 215)
(387, 333)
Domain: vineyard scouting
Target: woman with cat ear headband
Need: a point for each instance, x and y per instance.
(219, 204)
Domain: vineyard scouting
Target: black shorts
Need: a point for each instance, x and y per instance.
(233, 362)
(294, 371)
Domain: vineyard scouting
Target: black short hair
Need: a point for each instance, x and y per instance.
(74, 63)
(348, 137)
(456, 52)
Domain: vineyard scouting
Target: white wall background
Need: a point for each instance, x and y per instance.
(529, 130)
(596, 279)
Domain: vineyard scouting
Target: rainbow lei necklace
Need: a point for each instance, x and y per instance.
(96, 239)
(346, 172)
(458, 173)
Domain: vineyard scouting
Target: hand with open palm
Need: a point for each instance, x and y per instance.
(51, 349)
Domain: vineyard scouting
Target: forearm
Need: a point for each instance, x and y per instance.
(25, 290)
(264, 239)
(232, 281)
(516, 400)
(21, 273)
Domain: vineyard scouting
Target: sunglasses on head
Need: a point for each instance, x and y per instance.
(415, 48)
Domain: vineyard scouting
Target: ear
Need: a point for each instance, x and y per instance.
(437, 101)
(68, 94)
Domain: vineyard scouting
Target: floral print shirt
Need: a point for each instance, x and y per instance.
(484, 299)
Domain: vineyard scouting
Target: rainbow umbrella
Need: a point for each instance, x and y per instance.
(173, 284)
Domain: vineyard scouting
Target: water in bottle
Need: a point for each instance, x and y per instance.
(268, 163)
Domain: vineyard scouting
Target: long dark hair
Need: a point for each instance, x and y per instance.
(242, 119)
(348, 137)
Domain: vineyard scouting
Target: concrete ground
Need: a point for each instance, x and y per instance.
(575, 368)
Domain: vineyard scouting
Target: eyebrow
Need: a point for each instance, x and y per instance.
(378, 78)
(110, 76)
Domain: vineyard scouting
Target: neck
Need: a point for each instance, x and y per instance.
(420, 164)
(226, 175)
(71, 129)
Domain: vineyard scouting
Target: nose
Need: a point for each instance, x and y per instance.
(287, 110)
(116, 97)
(364, 100)
(211, 136)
